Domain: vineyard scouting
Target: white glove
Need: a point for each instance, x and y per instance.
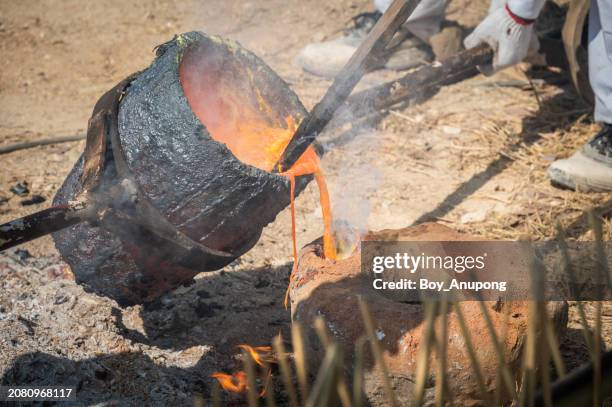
(511, 37)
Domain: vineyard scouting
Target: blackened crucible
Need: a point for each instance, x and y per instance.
(192, 181)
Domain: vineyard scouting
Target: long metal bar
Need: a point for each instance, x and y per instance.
(38, 224)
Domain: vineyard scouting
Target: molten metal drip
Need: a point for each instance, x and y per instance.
(309, 164)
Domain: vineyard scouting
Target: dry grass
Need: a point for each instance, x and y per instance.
(544, 205)
(509, 131)
(556, 126)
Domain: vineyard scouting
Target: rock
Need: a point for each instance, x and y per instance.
(451, 130)
(23, 254)
(20, 188)
(332, 290)
(479, 215)
(478, 210)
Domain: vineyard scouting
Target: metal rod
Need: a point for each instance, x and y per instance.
(42, 142)
(576, 388)
(38, 224)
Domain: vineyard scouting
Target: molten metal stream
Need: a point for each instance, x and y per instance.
(309, 164)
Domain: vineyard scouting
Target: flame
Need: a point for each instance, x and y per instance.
(235, 383)
(238, 382)
(260, 354)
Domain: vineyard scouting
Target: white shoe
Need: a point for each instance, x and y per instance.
(327, 58)
(588, 170)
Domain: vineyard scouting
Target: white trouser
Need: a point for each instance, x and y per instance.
(600, 58)
(426, 19)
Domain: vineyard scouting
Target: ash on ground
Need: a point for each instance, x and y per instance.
(53, 333)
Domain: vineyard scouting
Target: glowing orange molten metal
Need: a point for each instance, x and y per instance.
(306, 165)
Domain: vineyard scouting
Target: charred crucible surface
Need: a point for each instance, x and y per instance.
(191, 180)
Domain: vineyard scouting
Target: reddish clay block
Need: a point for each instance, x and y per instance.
(332, 290)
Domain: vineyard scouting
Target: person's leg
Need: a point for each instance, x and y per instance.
(590, 169)
(426, 18)
(600, 58)
(327, 58)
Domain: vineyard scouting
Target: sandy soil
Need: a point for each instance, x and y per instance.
(472, 157)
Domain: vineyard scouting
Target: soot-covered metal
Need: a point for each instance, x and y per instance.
(188, 180)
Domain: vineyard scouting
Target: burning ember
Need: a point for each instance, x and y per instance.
(237, 382)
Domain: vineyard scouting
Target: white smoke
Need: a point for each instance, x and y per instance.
(353, 179)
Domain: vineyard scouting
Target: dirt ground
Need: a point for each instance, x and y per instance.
(473, 157)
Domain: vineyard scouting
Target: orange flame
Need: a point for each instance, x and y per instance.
(260, 354)
(237, 382)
